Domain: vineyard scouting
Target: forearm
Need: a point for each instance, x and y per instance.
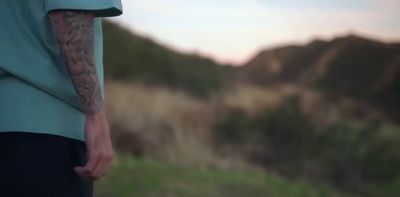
(75, 34)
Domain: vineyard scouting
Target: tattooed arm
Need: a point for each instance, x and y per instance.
(75, 34)
(74, 31)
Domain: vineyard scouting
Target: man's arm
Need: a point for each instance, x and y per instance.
(75, 34)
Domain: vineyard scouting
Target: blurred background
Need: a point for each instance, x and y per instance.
(254, 98)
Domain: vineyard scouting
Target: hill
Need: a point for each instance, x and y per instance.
(353, 66)
(291, 110)
(350, 66)
(129, 56)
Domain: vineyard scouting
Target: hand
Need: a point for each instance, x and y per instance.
(98, 145)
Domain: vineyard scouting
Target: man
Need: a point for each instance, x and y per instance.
(54, 136)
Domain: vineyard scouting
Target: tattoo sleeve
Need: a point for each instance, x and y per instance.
(74, 31)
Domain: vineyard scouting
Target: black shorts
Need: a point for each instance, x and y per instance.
(41, 165)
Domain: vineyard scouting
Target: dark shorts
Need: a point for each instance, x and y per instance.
(41, 165)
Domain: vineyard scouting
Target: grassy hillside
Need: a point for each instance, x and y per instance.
(292, 134)
(129, 56)
(310, 113)
(149, 178)
(352, 66)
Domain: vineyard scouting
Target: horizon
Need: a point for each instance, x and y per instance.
(236, 30)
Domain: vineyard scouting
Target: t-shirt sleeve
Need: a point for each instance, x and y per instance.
(101, 8)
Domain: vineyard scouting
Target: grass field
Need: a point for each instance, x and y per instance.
(132, 177)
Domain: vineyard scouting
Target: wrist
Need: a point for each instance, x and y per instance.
(100, 114)
(94, 107)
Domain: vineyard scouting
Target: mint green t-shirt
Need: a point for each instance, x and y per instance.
(36, 92)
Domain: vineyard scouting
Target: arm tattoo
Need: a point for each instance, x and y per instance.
(75, 34)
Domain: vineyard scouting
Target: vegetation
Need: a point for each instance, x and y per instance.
(143, 177)
(349, 155)
(348, 66)
(220, 133)
(323, 115)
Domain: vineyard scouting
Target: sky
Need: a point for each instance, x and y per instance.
(232, 31)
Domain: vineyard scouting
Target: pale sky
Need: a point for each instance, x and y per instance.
(234, 30)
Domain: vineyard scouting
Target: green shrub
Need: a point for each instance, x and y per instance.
(346, 154)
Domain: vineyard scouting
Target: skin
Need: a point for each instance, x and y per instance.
(74, 31)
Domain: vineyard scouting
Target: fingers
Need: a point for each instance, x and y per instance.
(103, 165)
(86, 172)
(98, 146)
(96, 167)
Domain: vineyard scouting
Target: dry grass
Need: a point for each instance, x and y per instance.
(162, 123)
(249, 98)
(155, 121)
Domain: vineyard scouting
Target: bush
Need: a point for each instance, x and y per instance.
(346, 154)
